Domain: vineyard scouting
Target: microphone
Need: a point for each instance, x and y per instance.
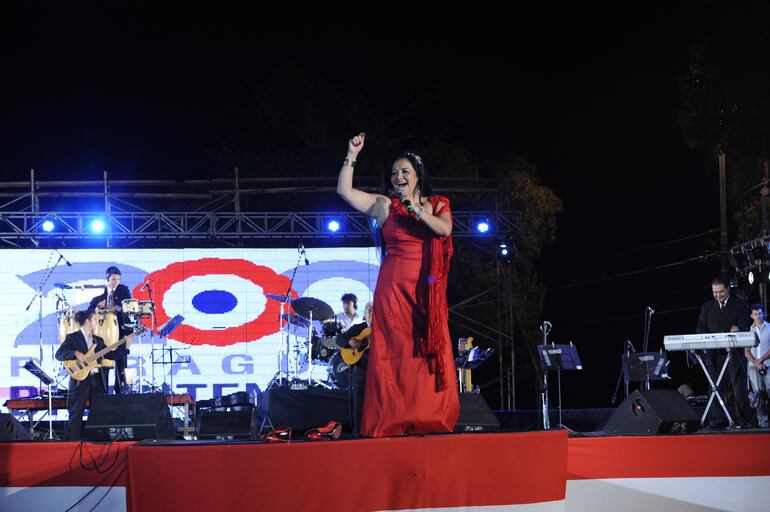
(402, 197)
(652, 311)
(62, 257)
(630, 346)
(145, 285)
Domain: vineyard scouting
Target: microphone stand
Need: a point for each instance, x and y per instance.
(545, 328)
(39, 295)
(648, 312)
(284, 303)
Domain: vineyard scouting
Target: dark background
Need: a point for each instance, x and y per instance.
(590, 96)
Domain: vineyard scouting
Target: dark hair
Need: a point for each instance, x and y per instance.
(82, 316)
(350, 297)
(721, 280)
(112, 271)
(386, 189)
(423, 181)
(757, 307)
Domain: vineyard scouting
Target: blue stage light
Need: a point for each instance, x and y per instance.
(97, 226)
(47, 226)
(333, 226)
(482, 226)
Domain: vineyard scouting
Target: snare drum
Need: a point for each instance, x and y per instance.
(146, 308)
(130, 306)
(67, 324)
(107, 326)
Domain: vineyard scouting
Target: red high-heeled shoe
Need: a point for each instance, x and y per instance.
(278, 435)
(331, 430)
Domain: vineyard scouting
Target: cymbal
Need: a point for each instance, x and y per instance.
(276, 296)
(320, 310)
(295, 319)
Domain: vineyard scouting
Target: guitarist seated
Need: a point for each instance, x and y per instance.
(76, 347)
(357, 337)
(353, 345)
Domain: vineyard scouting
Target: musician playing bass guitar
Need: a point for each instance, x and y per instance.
(74, 347)
(354, 345)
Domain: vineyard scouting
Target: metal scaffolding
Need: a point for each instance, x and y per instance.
(213, 210)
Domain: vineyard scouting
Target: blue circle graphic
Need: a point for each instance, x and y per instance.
(214, 302)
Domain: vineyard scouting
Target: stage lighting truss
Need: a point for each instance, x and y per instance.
(751, 260)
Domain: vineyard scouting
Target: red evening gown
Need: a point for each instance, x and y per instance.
(404, 394)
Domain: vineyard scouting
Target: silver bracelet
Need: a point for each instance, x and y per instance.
(351, 163)
(419, 212)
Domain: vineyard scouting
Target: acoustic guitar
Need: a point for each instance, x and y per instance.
(79, 371)
(351, 356)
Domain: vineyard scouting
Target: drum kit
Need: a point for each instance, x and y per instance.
(309, 345)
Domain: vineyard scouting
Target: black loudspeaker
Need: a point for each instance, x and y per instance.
(225, 424)
(475, 415)
(11, 429)
(129, 416)
(651, 412)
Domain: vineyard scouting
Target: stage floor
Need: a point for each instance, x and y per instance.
(546, 470)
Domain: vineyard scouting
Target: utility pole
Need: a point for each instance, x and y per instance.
(724, 250)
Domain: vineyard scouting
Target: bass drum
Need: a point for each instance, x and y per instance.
(340, 372)
(67, 324)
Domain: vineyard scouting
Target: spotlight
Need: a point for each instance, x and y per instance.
(482, 226)
(333, 226)
(47, 226)
(97, 226)
(751, 277)
(505, 251)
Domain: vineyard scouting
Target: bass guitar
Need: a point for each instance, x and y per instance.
(80, 370)
(351, 356)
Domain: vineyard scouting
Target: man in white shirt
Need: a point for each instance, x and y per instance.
(757, 363)
(349, 317)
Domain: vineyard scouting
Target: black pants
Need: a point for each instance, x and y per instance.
(80, 393)
(732, 388)
(357, 388)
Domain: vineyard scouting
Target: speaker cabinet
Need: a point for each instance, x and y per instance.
(11, 429)
(652, 412)
(225, 424)
(129, 416)
(475, 415)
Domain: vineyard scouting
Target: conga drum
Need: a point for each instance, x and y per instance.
(67, 323)
(107, 326)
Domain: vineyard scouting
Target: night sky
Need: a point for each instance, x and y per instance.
(590, 97)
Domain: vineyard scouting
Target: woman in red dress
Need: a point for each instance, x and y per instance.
(410, 378)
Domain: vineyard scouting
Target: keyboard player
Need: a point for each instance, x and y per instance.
(726, 313)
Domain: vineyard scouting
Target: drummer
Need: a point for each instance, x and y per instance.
(349, 316)
(114, 294)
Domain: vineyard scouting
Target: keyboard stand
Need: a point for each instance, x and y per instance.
(715, 388)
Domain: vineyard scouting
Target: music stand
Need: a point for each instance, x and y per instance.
(645, 367)
(558, 358)
(32, 367)
(470, 360)
(163, 331)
